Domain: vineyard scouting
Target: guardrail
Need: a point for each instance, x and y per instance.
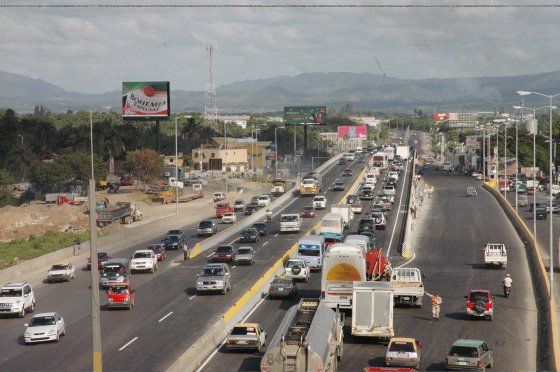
(547, 308)
(406, 246)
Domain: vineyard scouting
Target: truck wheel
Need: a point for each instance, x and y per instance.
(296, 269)
(32, 307)
(480, 306)
(21, 314)
(224, 291)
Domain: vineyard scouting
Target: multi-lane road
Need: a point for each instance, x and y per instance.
(449, 233)
(168, 317)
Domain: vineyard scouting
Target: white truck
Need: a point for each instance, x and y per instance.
(495, 254)
(372, 310)
(143, 260)
(407, 285)
(290, 223)
(403, 152)
(308, 339)
(345, 210)
(332, 226)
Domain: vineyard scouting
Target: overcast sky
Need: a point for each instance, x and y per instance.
(94, 49)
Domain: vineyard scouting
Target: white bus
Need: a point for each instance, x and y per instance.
(311, 249)
(343, 264)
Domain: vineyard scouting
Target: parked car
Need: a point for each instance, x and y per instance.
(126, 180)
(224, 253)
(297, 269)
(159, 251)
(218, 196)
(214, 277)
(338, 186)
(61, 272)
(307, 212)
(403, 352)
(206, 228)
(229, 217)
(261, 227)
(238, 205)
(102, 257)
(250, 209)
(249, 235)
(245, 255)
(469, 354)
(44, 327)
(480, 304)
(246, 336)
(282, 288)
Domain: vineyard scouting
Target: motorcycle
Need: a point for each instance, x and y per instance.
(507, 291)
(268, 217)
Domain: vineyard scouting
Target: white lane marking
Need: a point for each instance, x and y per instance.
(265, 243)
(201, 368)
(275, 235)
(210, 255)
(398, 210)
(162, 319)
(407, 262)
(128, 343)
(190, 298)
(233, 241)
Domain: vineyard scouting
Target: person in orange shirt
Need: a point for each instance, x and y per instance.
(436, 303)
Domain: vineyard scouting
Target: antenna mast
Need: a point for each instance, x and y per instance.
(210, 108)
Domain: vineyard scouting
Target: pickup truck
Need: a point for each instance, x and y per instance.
(290, 222)
(495, 254)
(246, 336)
(61, 272)
(223, 207)
(143, 260)
(121, 295)
(319, 202)
(407, 285)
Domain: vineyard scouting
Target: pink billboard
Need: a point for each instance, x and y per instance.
(352, 132)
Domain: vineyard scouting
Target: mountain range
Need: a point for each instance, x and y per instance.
(363, 91)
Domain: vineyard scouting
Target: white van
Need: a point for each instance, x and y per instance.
(370, 178)
(358, 150)
(311, 249)
(359, 241)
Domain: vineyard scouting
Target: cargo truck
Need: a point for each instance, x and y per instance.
(311, 184)
(345, 211)
(380, 160)
(278, 187)
(124, 211)
(403, 152)
(495, 254)
(308, 339)
(408, 286)
(372, 310)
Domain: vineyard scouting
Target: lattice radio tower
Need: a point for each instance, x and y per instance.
(210, 108)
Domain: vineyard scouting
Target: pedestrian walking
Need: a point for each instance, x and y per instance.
(436, 303)
(77, 247)
(185, 251)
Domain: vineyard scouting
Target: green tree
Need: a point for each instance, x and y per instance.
(145, 164)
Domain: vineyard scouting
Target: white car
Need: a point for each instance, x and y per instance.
(229, 217)
(389, 189)
(263, 200)
(44, 327)
(394, 175)
(143, 260)
(61, 272)
(319, 202)
(17, 298)
(297, 269)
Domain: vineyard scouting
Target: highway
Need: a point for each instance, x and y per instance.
(168, 317)
(449, 233)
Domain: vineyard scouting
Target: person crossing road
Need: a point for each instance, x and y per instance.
(436, 303)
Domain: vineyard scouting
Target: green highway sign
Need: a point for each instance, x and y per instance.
(305, 115)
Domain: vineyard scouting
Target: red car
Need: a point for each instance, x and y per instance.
(159, 251)
(307, 212)
(127, 180)
(121, 295)
(102, 257)
(480, 304)
(224, 253)
(347, 172)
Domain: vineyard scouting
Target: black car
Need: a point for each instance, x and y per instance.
(342, 161)
(261, 228)
(250, 209)
(113, 187)
(338, 186)
(366, 195)
(249, 235)
(172, 242)
(366, 224)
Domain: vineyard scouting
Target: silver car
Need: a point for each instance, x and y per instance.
(215, 277)
(245, 255)
(469, 354)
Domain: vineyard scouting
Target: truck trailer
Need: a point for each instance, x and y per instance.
(308, 339)
(372, 310)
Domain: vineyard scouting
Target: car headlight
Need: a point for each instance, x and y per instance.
(220, 282)
(27, 334)
(52, 332)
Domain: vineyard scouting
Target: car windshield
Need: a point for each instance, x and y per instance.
(205, 224)
(244, 251)
(291, 264)
(264, 197)
(309, 251)
(118, 289)
(248, 232)
(212, 272)
(10, 292)
(142, 255)
(308, 209)
(223, 249)
(464, 351)
(113, 268)
(59, 267)
(171, 238)
(339, 184)
(156, 247)
(259, 226)
(401, 347)
(102, 255)
(175, 232)
(479, 296)
(238, 202)
(41, 321)
(282, 282)
(288, 218)
(238, 331)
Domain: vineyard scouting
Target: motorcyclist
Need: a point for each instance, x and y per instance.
(508, 281)
(268, 215)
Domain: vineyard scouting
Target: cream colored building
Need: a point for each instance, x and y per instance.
(232, 160)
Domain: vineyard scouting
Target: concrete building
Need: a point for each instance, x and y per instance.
(240, 120)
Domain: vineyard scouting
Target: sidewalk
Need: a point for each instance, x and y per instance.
(421, 203)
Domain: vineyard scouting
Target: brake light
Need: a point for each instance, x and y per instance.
(479, 364)
(232, 342)
(445, 361)
(264, 367)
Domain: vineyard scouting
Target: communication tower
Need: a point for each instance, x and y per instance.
(210, 108)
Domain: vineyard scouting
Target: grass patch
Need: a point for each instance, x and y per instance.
(20, 250)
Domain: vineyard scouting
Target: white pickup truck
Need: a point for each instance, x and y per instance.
(143, 260)
(407, 285)
(290, 223)
(495, 254)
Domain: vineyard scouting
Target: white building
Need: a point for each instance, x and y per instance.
(240, 120)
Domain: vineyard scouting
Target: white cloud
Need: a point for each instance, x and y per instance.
(94, 49)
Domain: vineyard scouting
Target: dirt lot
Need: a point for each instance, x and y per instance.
(38, 218)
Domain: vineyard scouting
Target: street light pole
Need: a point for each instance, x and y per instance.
(517, 159)
(176, 172)
(225, 157)
(276, 147)
(551, 241)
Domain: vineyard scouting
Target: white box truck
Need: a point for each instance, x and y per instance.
(372, 310)
(407, 285)
(345, 211)
(403, 152)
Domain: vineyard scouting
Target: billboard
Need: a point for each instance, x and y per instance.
(145, 99)
(352, 132)
(305, 114)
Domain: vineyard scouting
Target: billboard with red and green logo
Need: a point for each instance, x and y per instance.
(141, 100)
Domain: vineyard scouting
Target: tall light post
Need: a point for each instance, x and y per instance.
(95, 311)
(498, 122)
(276, 147)
(225, 157)
(551, 242)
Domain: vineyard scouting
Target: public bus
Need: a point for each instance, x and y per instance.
(343, 264)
